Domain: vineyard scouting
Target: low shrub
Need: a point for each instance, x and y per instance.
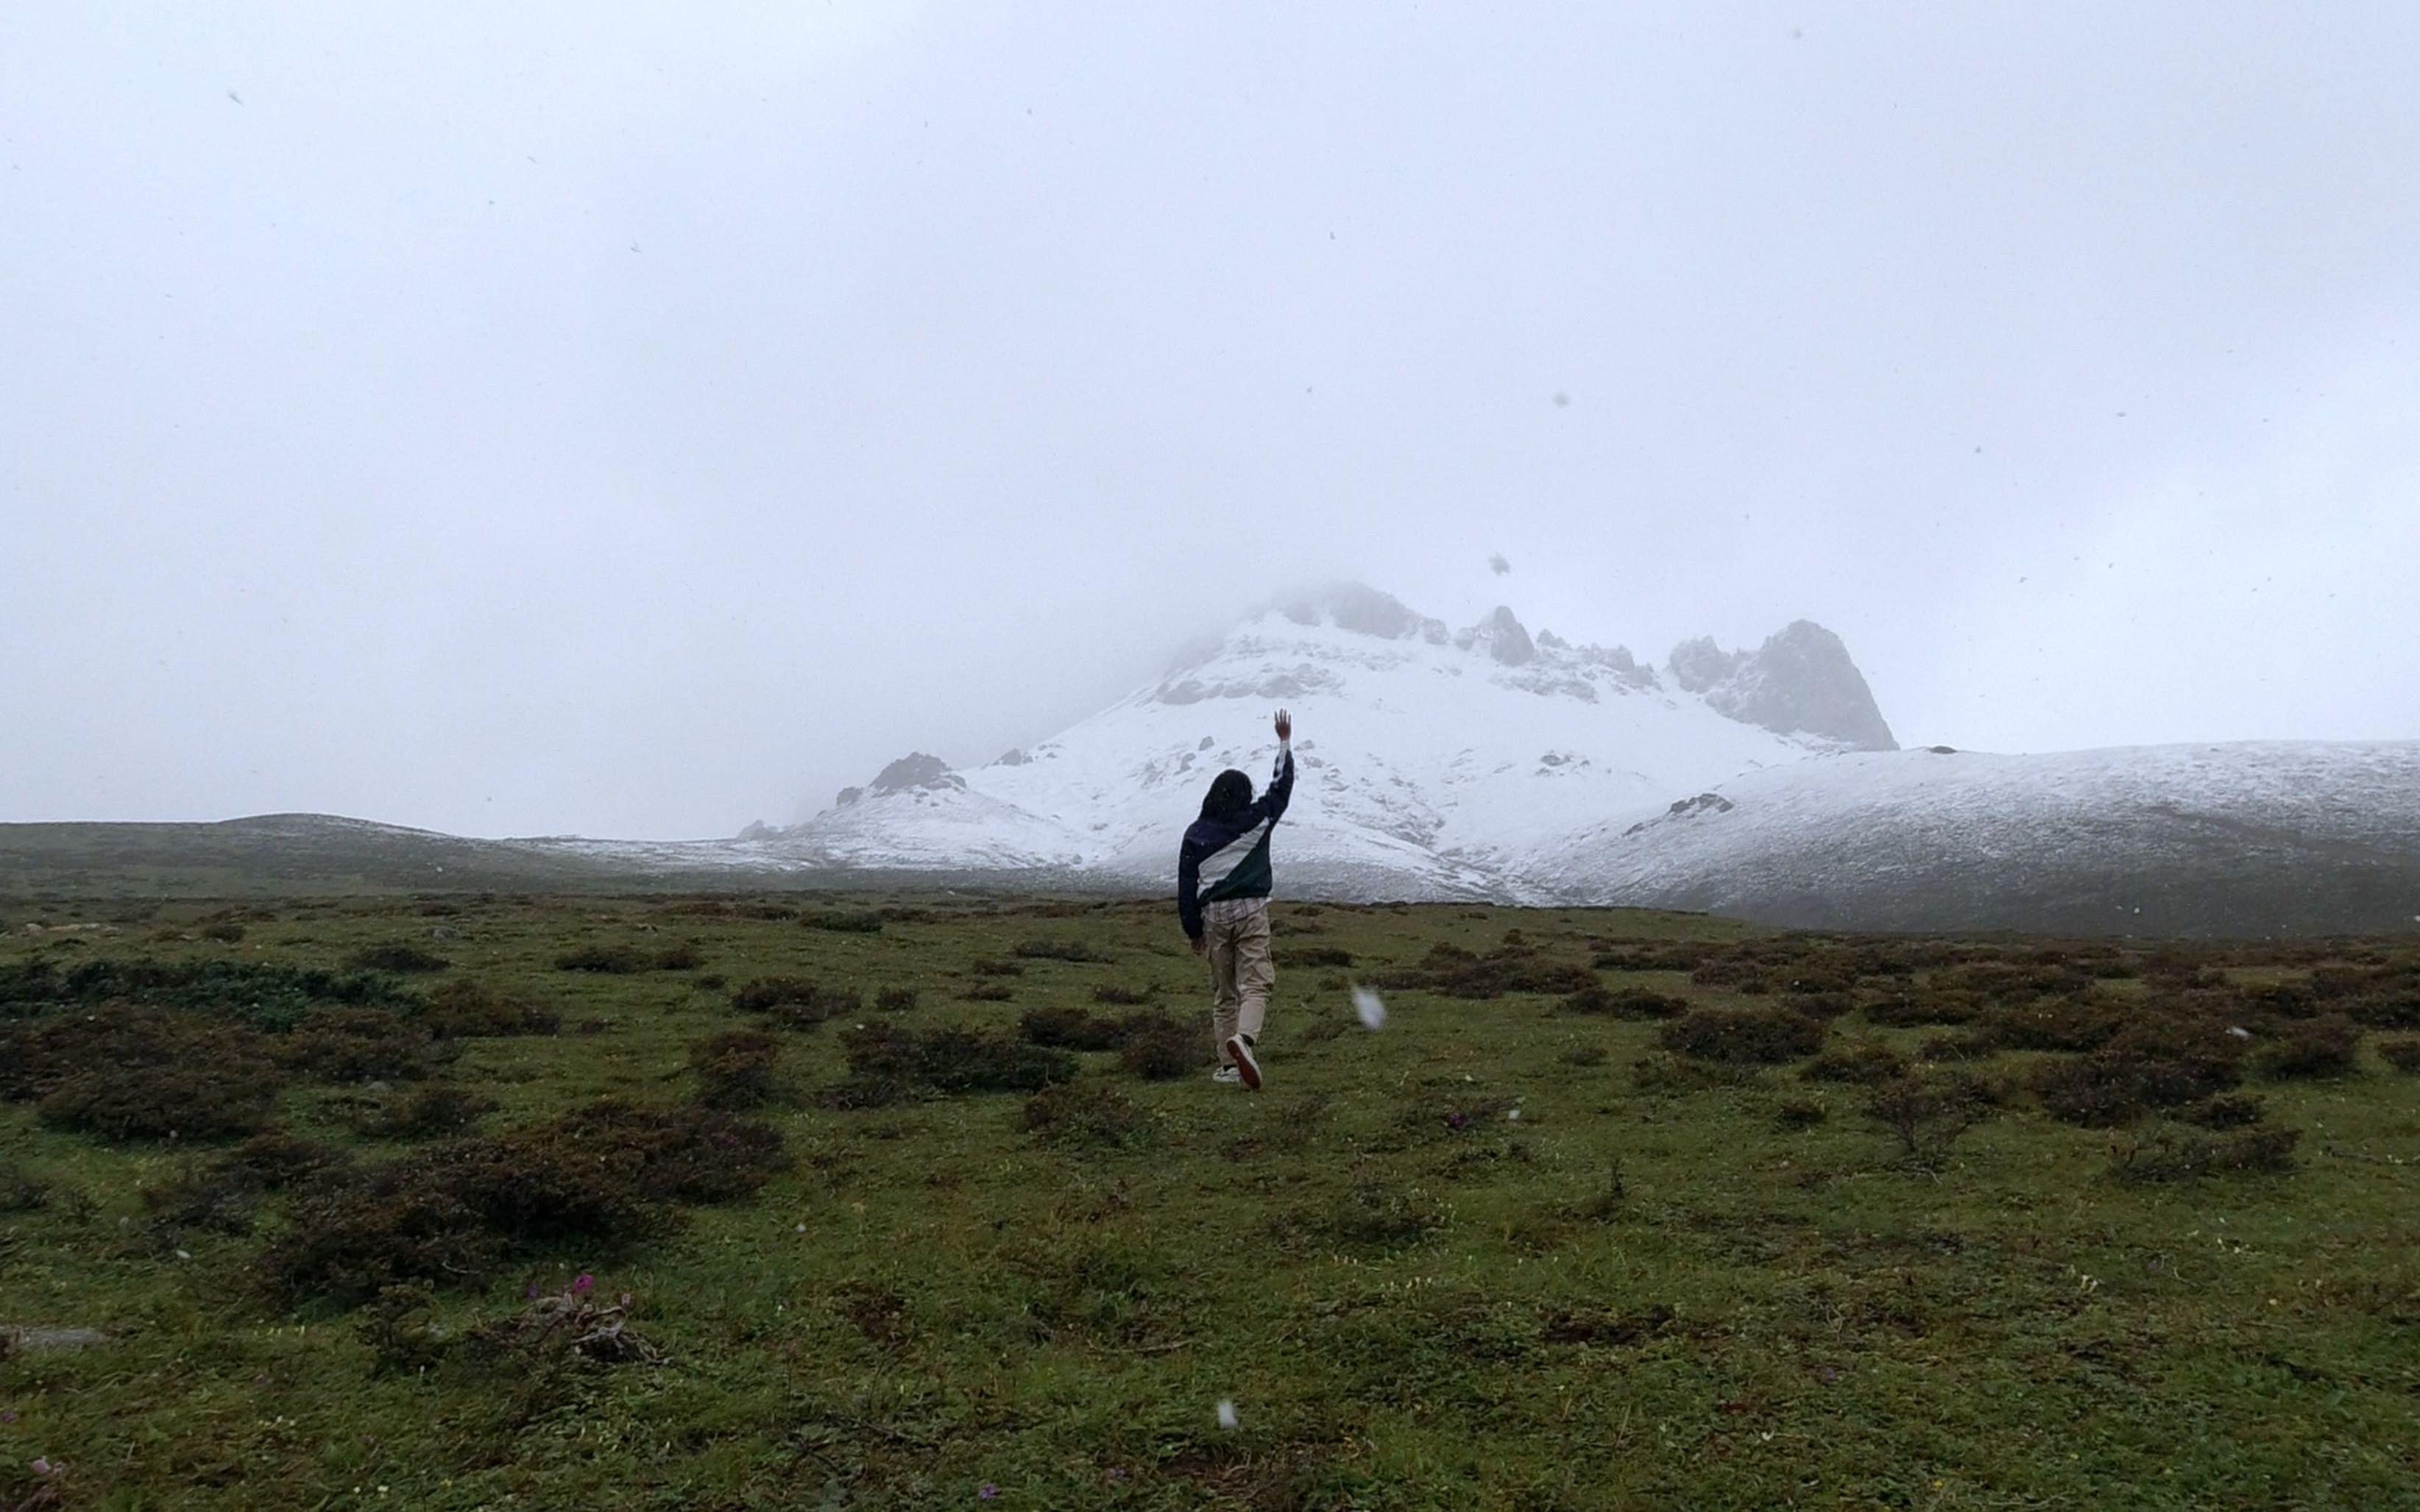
(1904, 1008)
(224, 931)
(1069, 1028)
(359, 1044)
(224, 1195)
(132, 1073)
(987, 967)
(21, 1190)
(1801, 1113)
(423, 1113)
(1865, 1065)
(468, 1007)
(1927, 1114)
(1313, 956)
(795, 1003)
(1084, 1113)
(2173, 1154)
(2309, 1049)
(1622, 1003)
(1754, 1036)
(611, 960)
(843, 920)
(888, 1062)
(397, 955)
(895, 1000)
(987, 991)
(1514, 967)
(1584, 1054)
(2227, 1110)
(2403, 1055)
(1159, 1048)
(597, 1179)
(1972, 1045)
(736, 1068)
(629, 960)
(1075, 950)
(1124, 996)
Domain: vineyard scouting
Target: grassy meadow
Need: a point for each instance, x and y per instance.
(929, 1202)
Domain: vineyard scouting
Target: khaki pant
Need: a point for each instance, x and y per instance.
(1241, 974)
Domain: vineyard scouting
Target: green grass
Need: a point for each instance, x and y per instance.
(1700, 1284)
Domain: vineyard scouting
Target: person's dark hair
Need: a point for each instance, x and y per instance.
(1231, 792)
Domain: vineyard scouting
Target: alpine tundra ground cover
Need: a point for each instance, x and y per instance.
(470, 1202)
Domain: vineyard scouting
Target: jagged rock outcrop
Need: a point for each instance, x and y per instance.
(1801, 681)
(1502, 635)
(913, 770)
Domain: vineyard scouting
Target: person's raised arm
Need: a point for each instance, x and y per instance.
(1280, 791)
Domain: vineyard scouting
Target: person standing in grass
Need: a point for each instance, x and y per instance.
(1222, 900)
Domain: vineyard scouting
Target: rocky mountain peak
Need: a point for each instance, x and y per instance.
(1800, 681)
(914, 770)
(1503, 637)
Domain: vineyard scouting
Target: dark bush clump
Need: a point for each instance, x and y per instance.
(1826, 1006)
(261, 996)
(1744, 1036)
(2227, 1110)
(2171, 1154)
(224, 931)
(1624, 1003)
(2311, 1049)
(887, 1062)
(1124, 996)
(597, 1178)
(2403, 1055)
(132, 1073)
(895, 999)
(1801, 1113)
(359, 1044)
(2154, 1065)
(736, 1068)
(224, 1196)
(613, 959)
(844, 922)
(1972, 1045)
(1903, 1009)
(1865, 1065)
(1084, 1113)
(1159, 1048)
(423, 1113)
(1069, 1028)
(628, 960)
(395, 956)
(467, 1008)
(987, 991)
(795, 1003)
(1313, 956)
(1058, 950)
(1927, 1114)
(1513, 967)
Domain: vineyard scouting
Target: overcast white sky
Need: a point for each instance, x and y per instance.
(636, 420)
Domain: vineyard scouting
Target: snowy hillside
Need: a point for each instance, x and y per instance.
(1431, 762)
(2256, 838)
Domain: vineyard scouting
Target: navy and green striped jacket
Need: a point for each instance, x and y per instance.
(1228, 856)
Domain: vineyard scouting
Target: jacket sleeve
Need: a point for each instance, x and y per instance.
(1280, 791)
(1189, 890)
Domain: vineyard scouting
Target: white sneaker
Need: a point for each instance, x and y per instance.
(1247, 1070)
(1228, 1074)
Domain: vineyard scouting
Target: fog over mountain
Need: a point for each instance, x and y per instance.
(640, 421)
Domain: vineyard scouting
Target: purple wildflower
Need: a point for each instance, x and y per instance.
(581, 1286)
(1455, 1121)
(988, 1491)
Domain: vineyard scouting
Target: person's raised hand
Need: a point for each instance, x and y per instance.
(1199, 944)
(1285, 725)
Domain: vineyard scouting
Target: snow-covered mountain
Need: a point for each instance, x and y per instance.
(1431, 762)
(2244, 839)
